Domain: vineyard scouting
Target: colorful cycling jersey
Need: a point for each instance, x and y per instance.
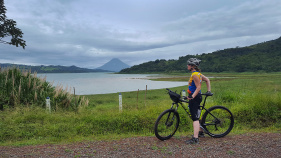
(191, 84)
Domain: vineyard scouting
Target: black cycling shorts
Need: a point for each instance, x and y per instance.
(194, 105)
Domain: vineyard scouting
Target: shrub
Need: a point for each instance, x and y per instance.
(21, 88)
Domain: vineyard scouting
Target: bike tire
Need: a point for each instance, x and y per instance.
(166, 124)
(218, 121)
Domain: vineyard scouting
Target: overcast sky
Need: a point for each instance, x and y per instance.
(88, 33)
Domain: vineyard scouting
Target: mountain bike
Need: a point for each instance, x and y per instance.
(217, 121)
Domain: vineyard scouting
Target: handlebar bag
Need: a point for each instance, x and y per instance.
(174, 96)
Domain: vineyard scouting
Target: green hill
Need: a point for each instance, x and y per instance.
(53, 68)
(264, 56)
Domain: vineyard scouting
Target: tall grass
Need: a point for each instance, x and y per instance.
(254, 99)
(21, 88)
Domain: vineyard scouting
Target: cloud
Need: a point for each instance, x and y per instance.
(90, 33)
(247, 19)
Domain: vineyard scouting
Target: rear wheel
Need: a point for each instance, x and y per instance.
(218, 121)
(166, 124)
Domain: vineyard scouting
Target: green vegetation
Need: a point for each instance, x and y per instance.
(21, 88)
(52, 68)
(262, 57)
(254, 99)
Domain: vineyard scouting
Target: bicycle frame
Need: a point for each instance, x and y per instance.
(201, 107)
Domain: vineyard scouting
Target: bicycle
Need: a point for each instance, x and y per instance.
(217, 121)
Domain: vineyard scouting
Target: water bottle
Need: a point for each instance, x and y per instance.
(183, 94)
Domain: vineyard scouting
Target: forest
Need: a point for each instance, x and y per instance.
(261, 57)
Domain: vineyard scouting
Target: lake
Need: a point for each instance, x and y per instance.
(103, 83)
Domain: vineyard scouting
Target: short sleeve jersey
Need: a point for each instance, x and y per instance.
(191, 84)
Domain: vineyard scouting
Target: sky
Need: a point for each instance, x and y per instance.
(89, 33)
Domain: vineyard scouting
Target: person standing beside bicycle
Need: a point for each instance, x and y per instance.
(195, 98)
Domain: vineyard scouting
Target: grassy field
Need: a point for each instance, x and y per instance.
(254, 99)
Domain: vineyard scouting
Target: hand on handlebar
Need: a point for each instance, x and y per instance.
(209, 93)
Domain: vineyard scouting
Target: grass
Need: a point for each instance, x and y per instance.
(21, 88)
(254, 99)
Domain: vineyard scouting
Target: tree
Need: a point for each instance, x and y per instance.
(8, 29)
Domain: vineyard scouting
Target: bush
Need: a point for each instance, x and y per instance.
(21, 88)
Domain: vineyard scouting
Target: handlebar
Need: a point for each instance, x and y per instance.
(208, 93)
(177, 98)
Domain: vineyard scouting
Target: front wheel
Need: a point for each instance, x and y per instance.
(218, 121)
(166, 124)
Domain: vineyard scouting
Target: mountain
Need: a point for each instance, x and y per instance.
(52, 68)
(115, 65)
(265, 57)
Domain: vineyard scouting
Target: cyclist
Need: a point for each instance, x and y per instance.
(194, 96)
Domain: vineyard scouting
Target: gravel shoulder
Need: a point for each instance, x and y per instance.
(244, 145)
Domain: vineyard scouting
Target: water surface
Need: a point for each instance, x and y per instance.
(103, 83)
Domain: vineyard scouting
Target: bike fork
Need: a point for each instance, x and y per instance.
(169, 123)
